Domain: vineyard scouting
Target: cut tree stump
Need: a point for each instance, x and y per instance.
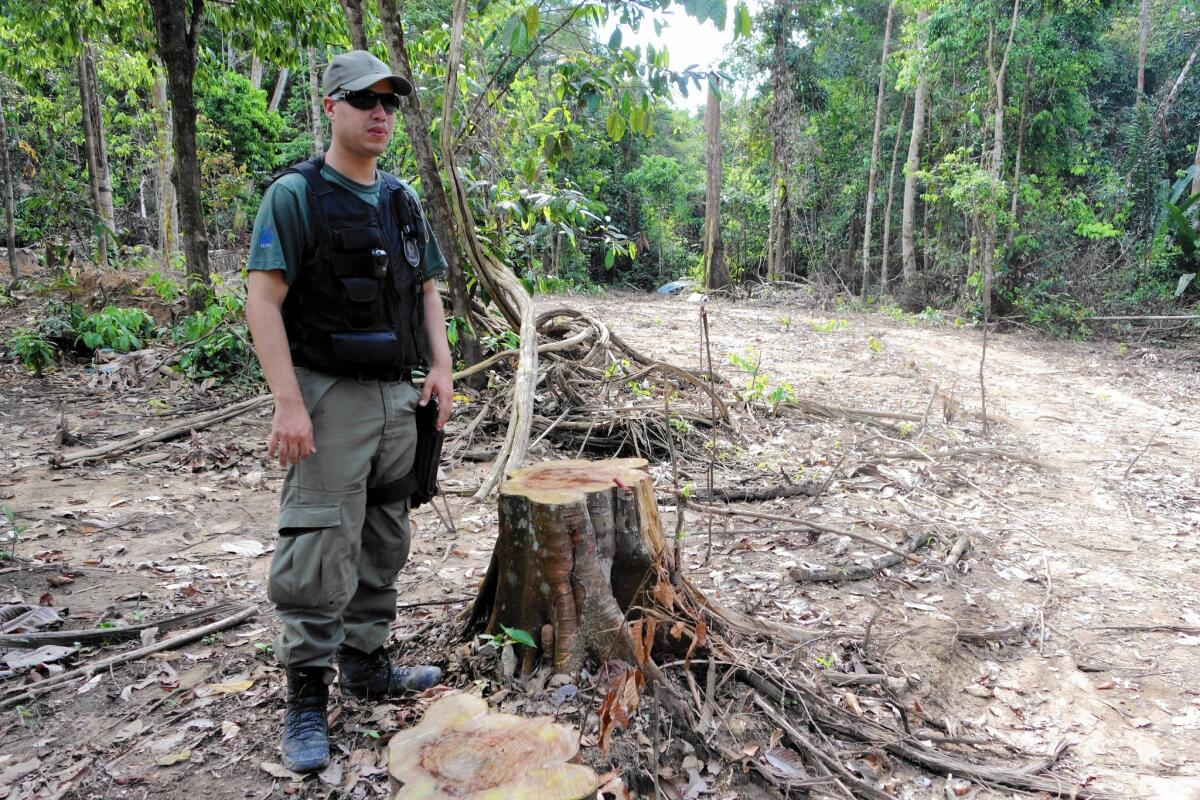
(580, 545)
(460, 751)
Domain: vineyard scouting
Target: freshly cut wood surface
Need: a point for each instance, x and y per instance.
(461, 751)
(556, 482)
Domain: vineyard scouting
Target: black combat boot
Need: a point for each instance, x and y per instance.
(369, 676)
(305, 742)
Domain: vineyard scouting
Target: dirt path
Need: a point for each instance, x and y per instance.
(1078, 543)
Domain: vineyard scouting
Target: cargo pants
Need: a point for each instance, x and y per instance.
(333, 575)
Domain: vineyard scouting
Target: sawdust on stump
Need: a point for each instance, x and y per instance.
(460, 751)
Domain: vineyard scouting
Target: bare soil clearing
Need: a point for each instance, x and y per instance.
(1056, 554)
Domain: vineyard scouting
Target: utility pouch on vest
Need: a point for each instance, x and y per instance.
(420, 485)
(366, 349)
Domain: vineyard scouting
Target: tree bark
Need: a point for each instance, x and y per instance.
(908, 249)
(498, 280)
(716, 272)
(1195, 181)
(777, 236)
(433, 193)
(10, 225)
(1160, 116)
(354, 21)
(1021, 123)
(256, 71)
(873, 172)
(164, 191)
(96, 150)
(1143, 34)
(580, 544)
(887, 213)
(314, 104)
(178, 38)
(280, 86)
(988, 255)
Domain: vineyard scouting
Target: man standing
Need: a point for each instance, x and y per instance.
(342, 306)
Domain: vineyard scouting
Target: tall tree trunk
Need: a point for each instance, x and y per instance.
(1143, 33)
(781, 84)
(164, 189)
(256, 71)
(873, 172)
(716, 272)
(887, 214)
(1021, 123)
(988, 255)
(178, 37)
(96, 150)
(1160, 116)
(354, 21)
(314, 103)
(10, 225)
(432, 190)
(280, 86)
(908, 251)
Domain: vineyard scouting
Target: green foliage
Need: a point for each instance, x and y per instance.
(32, 349)
(117, 329)
(216, 342)
(758, 385)
(508, 636)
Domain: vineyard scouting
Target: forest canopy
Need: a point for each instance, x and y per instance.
(1040, 157)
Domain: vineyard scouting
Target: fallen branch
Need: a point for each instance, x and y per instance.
(1190, 630)
(815, 526)
(32, 691)
(916, 454)
(119, 634)
(758, 494)
(170, 432)
(860, 572)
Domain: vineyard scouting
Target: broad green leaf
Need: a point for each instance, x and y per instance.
(610, 258)
(519, 636)
(742, 25)
(614, 41)
(532, 20)
(615, 126)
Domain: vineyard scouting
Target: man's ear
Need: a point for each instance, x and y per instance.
(329, 104)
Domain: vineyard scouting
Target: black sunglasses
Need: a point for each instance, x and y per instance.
(365, 99)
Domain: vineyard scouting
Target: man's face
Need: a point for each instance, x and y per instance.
(363, 133)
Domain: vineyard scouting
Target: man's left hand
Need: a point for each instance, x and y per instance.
(439, 382)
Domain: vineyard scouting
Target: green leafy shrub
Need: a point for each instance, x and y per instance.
(118, 329)
(60, 325)
(216, 341)
(34, 351)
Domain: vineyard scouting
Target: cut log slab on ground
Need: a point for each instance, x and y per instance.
(580, 543)
(460, 751)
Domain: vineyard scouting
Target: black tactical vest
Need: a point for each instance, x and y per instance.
(356, 307)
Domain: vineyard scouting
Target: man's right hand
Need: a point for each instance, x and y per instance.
(291, 438)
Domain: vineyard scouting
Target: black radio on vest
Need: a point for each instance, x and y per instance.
(356, 307)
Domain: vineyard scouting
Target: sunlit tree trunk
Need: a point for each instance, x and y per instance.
(1143, 34)
(873, 172)
(280, 86)
(314, 103)
(433, 194)
(908, 250)
(354, 21)
(10, 225)
(1161, 115)
(716, 271)
(1196, 181)
(1021, 123)
(178, 38)
(96, 150)
(256, 71)
(887, 214)
(164, 190)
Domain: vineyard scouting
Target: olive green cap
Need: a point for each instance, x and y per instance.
(358, 69)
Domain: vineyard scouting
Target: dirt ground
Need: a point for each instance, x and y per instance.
(1067, 542)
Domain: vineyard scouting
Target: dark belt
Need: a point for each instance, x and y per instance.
(384, 376)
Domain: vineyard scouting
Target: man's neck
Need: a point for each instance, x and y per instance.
(358, 169)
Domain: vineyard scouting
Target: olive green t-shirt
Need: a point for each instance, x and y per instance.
(283, 231)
